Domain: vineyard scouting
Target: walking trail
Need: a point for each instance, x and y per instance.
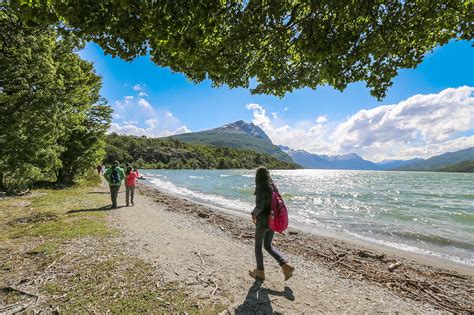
(211, 265)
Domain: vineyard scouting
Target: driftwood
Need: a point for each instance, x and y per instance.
(444, 290)
(19, 306)
(202, 259)
(394, 266)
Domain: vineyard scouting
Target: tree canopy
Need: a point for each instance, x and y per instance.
(52, 118)
(271, 46)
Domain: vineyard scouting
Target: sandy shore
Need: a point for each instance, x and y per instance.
(209, 252)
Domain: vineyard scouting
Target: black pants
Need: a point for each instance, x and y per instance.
(264, 236)
(114, 189)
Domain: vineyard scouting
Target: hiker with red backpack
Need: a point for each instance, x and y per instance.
(269, 216)
(131, 176)
(114, 176)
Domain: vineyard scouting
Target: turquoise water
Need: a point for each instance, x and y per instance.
(427, 213)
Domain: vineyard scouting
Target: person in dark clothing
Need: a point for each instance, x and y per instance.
(264, 188)
(114, 177)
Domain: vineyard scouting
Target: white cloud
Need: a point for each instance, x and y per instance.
(142, 94)
(177, 131)
(137, 87)
(303, 135)
(253, 106)
(136, 116)
(286, 108)
(152, 123)
(422, 125)
(144, 103)
(422, 121)
(321, 119)
(259, 116)
(127, 129)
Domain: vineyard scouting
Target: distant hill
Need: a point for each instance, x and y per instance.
(343, 162)
(464, 167)
(351, 161)
(159, 153)
(459, 161)
(439, 162)
(392, 164)
(308, 160)
(237, 135)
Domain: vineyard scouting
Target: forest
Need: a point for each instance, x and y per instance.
(53, 118)
(170, 153)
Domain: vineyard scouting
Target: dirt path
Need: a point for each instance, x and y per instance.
(211, 265)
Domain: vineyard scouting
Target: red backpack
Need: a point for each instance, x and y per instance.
(278, 218)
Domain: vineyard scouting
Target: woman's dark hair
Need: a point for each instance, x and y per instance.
(128, 170)
(263, 180)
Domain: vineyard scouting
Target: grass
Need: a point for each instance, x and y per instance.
(125, 286)
(51, 214)
(59, 241)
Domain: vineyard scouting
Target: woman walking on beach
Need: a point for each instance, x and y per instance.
(263, 234)
(131, 176)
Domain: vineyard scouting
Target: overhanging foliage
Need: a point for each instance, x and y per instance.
(283, 44)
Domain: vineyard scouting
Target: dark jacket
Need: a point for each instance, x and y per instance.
(263, 199)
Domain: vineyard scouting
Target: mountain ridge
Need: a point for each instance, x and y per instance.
(236, 135)
(343, 161)
(439, 162)
(243, 135)
(241, 126)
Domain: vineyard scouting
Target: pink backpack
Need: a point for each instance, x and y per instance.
(278, 218)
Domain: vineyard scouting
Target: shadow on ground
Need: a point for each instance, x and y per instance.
(104, 208)
(259, 300)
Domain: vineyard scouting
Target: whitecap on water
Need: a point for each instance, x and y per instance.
(202, 197)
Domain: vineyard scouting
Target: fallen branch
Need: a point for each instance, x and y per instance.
(19, 306)
(215, 290)
(202, 259)
(394, 266)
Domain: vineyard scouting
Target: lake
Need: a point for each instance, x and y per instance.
(422, 212)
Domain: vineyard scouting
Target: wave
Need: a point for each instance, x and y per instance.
(353, 204)
(212, 199)
(435, 239)
(414, 249)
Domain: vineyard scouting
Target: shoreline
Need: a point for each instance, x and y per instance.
(321, 232)
(446, 286)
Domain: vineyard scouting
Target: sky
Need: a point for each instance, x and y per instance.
(427, 111)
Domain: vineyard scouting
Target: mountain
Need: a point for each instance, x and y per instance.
(344, 162)
(351, 161)
(169, 153)
(464, 167)
(439, 162)
(237, 135)
(243, 128)
(308, 160)
(392, 164)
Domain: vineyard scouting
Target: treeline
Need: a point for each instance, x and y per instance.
(464, 167)
(170, 153)
(52, 118)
